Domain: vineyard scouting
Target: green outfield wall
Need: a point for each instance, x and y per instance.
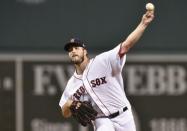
(45, 25)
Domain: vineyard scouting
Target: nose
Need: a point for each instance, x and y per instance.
(73, 49)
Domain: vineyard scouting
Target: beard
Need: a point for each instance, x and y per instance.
(77, 59)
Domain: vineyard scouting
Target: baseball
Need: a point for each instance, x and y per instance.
(150, 7)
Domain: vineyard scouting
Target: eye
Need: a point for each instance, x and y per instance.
(70, 49)
(76, 48)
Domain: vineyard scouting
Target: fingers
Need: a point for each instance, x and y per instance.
(149, 14)
(78, 105)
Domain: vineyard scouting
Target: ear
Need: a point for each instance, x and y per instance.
(85, 52)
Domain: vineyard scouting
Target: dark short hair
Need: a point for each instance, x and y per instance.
(74, 42)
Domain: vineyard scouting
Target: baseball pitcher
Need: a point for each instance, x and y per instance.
(95, 92)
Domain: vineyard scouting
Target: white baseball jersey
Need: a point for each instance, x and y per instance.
(101, 83)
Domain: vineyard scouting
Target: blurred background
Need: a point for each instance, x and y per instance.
(34, 68)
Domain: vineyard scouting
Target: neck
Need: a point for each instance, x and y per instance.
(81, 67)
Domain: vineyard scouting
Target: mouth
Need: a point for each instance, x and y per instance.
(74, 55)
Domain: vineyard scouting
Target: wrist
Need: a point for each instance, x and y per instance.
(69, 102)
(143, 25)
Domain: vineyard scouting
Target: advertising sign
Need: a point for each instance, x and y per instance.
(31, 87)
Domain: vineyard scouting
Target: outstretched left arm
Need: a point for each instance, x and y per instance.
(137, 33)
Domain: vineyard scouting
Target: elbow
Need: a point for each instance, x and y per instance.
(126, 46)
(124, 49)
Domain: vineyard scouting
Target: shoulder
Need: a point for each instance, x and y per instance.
(105, 55)
(68, 88)
(73, 80)
(70, 82)
(113, 50)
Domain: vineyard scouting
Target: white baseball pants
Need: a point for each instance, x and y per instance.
(119, 123)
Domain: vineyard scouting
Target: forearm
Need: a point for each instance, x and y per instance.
(137, 33)
(133, 37)
(66, 109)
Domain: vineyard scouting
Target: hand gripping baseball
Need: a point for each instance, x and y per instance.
(83, 112)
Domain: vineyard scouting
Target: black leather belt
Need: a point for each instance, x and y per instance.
(113, 115)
